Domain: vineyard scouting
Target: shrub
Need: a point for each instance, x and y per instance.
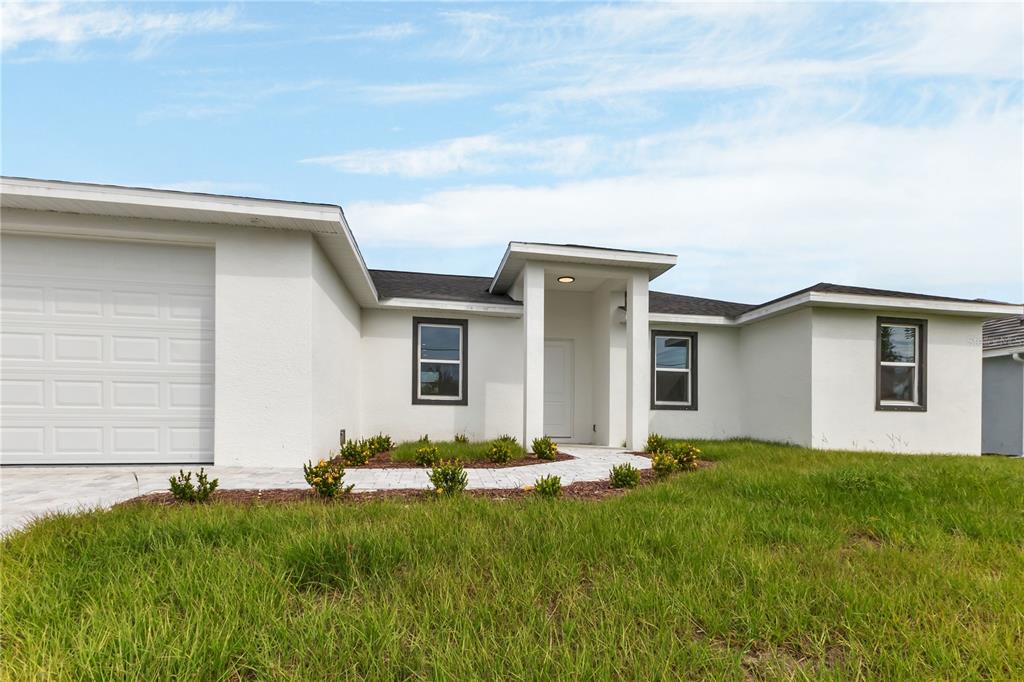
(379, 443)
(184, 490)
(448, 478)
(544, 448)
(426, 456)
(624, 476)
(424, 439)
(685, 454)
(548, 487)
(461, 438)
(663, 464)
(502, 450)
(656, 443)
(355, 453)
(325, 477)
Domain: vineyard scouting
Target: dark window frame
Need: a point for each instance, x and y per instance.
(692, 337)
(922, 364)
(463, 361)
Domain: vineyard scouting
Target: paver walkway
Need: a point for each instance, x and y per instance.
(26, 492)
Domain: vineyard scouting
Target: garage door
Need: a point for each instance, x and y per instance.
(106, 351)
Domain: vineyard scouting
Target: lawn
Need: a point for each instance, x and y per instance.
(473, 451)
(776, 562)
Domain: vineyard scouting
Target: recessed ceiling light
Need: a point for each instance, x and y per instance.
(566, 279)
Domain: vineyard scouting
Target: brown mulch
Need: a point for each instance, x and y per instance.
(583, 490)
(384, 461)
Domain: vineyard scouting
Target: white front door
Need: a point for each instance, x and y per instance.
(558, 388)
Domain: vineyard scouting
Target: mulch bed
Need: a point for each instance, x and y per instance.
(583, 490)
(384, 461)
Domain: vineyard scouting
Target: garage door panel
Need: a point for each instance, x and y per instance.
(104, 363)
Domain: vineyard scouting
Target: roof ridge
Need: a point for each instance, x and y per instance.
(434, 274)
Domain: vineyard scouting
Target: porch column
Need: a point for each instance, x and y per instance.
(533, 352)
(638, 359)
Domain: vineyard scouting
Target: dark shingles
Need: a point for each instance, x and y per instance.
(829, 288)
(1006, 332)
(677, 304)
(425, 285)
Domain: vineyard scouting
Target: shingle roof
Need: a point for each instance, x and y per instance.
(829, 288)
(1006, 332)
(425, 285)
(677, 304)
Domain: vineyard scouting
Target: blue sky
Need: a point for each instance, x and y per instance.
(771, 146)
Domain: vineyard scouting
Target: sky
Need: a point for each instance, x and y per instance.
(770, 146)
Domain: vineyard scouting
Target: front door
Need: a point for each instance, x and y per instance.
(558, 388)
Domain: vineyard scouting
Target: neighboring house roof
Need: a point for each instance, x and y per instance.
(677, 304)
(1004, 333)
(426, 285)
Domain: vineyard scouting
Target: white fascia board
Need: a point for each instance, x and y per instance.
(999, 352)
(495, 309)
(518, 253)
(710, 320)
(890, 303)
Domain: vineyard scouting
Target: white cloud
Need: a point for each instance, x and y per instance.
(70, 26)
(937, 208)
(480, 154)
(400, 93)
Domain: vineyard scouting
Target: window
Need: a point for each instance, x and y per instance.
(673, 370)
(901, 352)
(439, 361)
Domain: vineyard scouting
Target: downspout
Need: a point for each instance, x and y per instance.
(1017, 357)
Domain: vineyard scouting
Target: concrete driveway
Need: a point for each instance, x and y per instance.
(28, 492)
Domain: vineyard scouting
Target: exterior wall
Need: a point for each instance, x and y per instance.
(337, 347)
(776, 378)
(720, 388)
(495, 379)
(264, 392)
(567, 315)
(844, 414)
(1002, 407)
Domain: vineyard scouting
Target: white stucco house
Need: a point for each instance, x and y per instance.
(1003, 386)
(151, 326)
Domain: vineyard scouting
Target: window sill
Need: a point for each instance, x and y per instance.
(900, 407)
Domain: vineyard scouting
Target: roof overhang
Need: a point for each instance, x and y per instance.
(518, 253)
(325, 221)
(999, 352)
(982, 309)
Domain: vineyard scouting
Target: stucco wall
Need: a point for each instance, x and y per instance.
(264, 392)
(776, 378)
(719, 388)
(337, 367)
(568, 315)
(1002, 408)
(844, 414)
(495, 379)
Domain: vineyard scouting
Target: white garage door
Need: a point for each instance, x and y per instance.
(106, 351)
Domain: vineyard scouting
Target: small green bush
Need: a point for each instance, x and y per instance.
(184, 490)
(355, 453)
(544, 448)
(502, 450)
(461, 438)
(448, 478)
(624, 476)
(426, 456)
(548, 487)
(325, 477)
(663, 464)
(379, 443)
(686, 455)
(656, 443)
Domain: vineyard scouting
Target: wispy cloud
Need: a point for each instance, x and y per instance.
(400, 93)
(481, 154)
(68, 27)
(226, 99)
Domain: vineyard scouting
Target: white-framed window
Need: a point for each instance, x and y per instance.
(439, 361)
(673, 370)
(901, 377)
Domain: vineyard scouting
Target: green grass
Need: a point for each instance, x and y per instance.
(474, 451)
(777, 562)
